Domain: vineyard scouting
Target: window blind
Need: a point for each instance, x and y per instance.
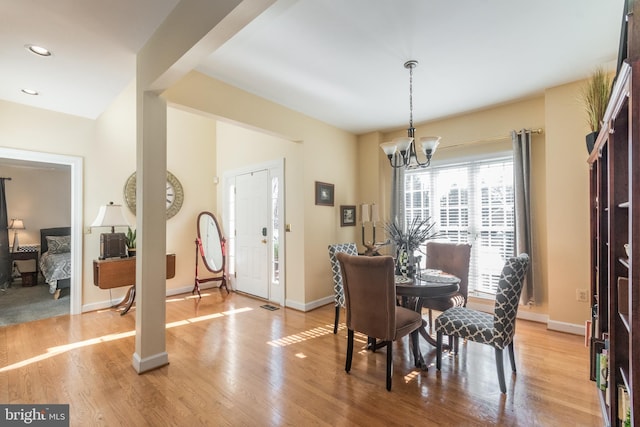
(470, 202)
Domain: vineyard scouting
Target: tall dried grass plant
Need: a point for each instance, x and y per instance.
(595, 95)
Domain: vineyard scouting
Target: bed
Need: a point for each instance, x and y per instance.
(55, 258)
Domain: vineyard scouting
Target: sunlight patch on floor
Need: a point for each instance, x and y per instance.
(318, 332)
(54, 351)
(187, 298)
(411, 376)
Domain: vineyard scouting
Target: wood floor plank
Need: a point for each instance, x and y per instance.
(233, 363)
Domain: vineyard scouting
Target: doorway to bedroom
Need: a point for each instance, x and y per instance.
(43, 193)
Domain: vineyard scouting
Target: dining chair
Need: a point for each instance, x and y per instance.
(370, 299)
(497, 329)
(348, 248)
(452, 258)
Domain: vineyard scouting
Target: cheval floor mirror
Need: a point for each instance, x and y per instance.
(210, 245)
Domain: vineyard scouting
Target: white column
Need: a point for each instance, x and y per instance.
(150, 351)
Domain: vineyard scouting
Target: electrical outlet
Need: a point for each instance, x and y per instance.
(581, 295)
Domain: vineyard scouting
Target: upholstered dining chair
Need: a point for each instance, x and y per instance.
(452, 258)
(497, 329)
(370, 298)
(348, 248)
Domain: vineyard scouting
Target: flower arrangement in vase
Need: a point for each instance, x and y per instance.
(408, 240)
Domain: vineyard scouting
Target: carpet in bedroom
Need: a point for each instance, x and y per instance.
(19, 304)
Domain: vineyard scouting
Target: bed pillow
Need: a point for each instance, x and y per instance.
(59, 244)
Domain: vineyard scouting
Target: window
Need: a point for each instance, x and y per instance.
(275, 230)
(469, 202)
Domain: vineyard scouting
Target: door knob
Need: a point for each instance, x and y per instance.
(264, 241)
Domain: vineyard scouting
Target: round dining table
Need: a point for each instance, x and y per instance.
(414, 291)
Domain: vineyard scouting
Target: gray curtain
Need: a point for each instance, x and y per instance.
(522, 198)
(5, 258)
(397, 196)
(397, 200)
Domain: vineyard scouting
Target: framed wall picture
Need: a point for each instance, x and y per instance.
(324, 194)
(347, 215)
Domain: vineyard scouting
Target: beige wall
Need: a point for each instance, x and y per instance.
(567, 209)
(191, 158)
(559, 188)
(316, 152)
(40, 197)
(323, 153)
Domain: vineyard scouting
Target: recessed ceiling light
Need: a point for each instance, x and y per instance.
(38, 50)
(30, 91)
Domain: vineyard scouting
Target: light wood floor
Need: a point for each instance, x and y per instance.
(234, 363)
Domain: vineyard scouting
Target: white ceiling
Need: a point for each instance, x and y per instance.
(340, 61)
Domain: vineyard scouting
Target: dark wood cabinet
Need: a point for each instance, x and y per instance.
(615, 222)
(29, 278)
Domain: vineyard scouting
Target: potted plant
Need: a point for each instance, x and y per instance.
(131, 241)
(408, 240)
(595, 95)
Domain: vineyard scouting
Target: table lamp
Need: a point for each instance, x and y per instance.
(16, 224)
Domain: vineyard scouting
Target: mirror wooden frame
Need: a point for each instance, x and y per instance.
(200, 252)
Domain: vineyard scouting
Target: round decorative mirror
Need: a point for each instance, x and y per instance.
(210, 246)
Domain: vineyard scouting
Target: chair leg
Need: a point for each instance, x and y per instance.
(347, 366)
(389, 363)
(415, 343)
(335, 324)
(430, 323)
(512, 357)
(500, 367)
(372, 344)
(439, 350)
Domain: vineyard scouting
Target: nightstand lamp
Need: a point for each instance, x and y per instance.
(16, 224)
(112, 245)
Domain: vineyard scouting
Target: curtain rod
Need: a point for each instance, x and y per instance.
(491, 139)
(7, 178)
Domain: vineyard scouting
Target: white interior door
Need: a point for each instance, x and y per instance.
(252, 233)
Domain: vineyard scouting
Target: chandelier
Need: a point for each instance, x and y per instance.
(402, 150)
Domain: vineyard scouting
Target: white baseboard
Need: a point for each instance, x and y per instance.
(525, 314)
(569, 328)
(149, 363)
(310, 306)
(101, 305)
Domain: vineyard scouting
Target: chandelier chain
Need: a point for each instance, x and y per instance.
(411, 96)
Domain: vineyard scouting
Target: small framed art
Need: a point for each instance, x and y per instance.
(347, 215)
(324, 194)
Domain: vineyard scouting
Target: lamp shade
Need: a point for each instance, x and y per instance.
(110, 216)
(375, 215)
(403, 142)
(389, 148)
(429, 144)
(16, 224)
(364, 213)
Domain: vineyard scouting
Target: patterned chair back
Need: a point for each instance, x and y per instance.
(350, 249)
(507, 299)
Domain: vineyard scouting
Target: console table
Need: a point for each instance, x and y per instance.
(117, 272)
